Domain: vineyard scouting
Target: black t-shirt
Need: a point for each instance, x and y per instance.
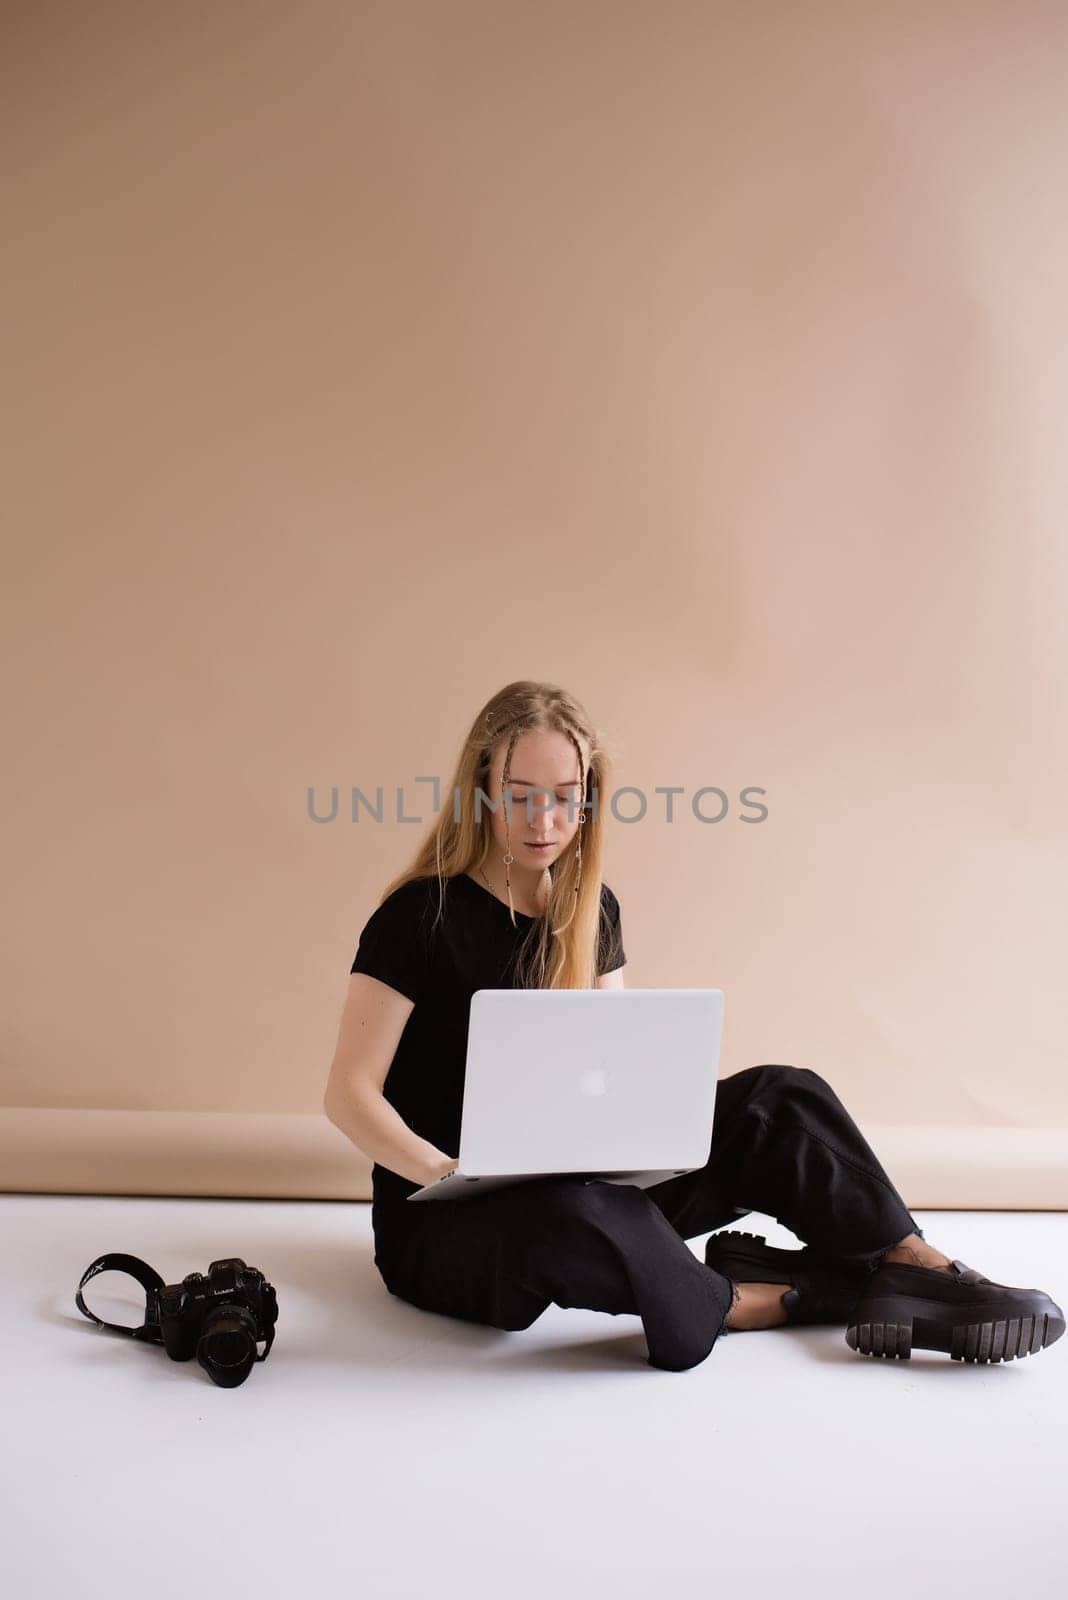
(439, 967)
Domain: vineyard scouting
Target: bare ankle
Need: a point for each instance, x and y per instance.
(756, 1305)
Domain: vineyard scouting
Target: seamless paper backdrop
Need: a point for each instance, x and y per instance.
(707, 359)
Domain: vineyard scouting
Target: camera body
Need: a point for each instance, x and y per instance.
(219, 1317)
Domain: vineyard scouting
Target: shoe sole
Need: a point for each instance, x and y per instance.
(732, 1241)
(735, 1256)
(889, 1330)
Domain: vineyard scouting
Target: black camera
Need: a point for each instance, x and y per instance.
(219, 1317)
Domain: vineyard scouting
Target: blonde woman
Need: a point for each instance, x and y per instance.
(503, 895)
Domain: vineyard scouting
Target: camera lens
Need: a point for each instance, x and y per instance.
(226, 1348)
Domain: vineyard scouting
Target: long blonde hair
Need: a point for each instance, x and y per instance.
(566, 944)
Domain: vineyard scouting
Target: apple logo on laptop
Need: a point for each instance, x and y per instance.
(594, 1081)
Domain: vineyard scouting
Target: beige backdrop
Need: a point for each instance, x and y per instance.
(705, 358)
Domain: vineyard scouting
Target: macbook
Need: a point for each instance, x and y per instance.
(611, 1084)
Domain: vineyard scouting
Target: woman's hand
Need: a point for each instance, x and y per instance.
(441, 1167)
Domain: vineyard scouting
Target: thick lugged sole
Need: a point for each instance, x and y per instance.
(737, 1243)
(888, 1329)
(733, 1240)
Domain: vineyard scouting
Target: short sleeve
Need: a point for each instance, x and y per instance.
(611, 954)
(394, 945)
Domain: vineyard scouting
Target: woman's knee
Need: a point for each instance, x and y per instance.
(788, 1082)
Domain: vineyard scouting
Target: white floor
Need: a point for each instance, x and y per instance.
(384, 1451)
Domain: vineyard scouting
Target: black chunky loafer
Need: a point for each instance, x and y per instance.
(821, 1290)
(968, 1317)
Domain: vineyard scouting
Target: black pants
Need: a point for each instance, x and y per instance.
(782, 1144)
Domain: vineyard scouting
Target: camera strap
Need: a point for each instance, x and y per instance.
(147, 1277)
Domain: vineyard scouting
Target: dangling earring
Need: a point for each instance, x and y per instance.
(582, 819)
(508, 857)
(578, 855)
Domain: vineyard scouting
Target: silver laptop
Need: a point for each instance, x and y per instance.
(613, 1084)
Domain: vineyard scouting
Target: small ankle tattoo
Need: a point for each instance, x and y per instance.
(908, 1253)
(905, 1252)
